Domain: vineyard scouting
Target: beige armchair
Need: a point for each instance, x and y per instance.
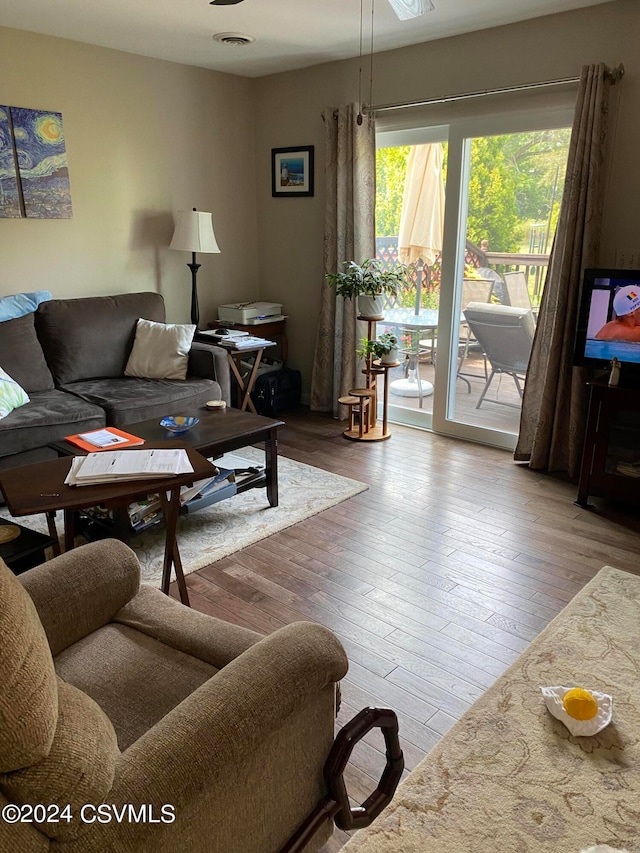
(209, 736)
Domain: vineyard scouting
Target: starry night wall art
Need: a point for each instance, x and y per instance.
(38, 152)
(9, 194)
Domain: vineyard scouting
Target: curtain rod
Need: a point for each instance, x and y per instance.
(615, 75)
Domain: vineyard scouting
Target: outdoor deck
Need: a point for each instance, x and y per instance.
(490, 415)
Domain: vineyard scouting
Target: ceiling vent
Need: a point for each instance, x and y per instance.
(233, 39)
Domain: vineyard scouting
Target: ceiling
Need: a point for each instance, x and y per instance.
(290, 34)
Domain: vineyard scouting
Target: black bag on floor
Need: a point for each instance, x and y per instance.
(277, 391)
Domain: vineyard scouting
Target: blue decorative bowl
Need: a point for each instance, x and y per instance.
(178, 423)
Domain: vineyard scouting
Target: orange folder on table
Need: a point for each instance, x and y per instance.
(119, 440)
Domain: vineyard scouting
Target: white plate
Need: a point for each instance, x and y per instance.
(553, 697)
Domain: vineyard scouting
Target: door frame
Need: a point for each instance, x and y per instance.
(458, 134)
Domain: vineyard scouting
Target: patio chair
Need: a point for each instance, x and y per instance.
(474, 290)
(517, 290)
(505, 334)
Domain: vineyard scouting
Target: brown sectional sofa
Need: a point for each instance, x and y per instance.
(70, 355)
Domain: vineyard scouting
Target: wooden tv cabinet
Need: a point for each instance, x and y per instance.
(612, 440)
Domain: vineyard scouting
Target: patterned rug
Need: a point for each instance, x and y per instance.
(508, 777)
(219, 530)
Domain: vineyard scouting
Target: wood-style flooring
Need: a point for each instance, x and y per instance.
(434, 579)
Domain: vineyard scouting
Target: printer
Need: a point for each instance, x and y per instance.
(251, 313)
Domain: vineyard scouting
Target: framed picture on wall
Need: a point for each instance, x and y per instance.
(292, 171)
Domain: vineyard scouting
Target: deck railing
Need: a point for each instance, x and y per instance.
(423, 282)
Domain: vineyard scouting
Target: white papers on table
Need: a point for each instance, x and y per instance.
(249, 342)
(118, 465)
(230, 333)
(244, 470)
(232, 461)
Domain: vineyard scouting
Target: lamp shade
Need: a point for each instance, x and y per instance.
(194, 232)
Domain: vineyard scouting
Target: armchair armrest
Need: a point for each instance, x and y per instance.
(210, 362)
(80, 591)
(196, 634)
(222, 721)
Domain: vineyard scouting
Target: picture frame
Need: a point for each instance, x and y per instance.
(292, 171)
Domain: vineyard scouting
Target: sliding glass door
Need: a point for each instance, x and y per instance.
(467, 319)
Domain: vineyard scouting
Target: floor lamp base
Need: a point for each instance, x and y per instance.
(195, 312)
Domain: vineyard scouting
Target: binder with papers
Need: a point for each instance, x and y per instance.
(116, 466)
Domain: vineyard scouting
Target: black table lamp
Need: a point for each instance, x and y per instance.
(194, 233)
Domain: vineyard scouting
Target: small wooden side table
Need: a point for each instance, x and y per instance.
(27, 549)
(234, 357)
(40, 488)
(274, 329)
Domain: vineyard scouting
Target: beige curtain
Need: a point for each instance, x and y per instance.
(554, 407)
(349, 235)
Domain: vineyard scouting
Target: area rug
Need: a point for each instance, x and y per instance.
(508, 777)
(218, 530)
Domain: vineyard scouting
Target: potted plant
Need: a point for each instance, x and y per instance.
(385, 348)
(366, 349)
(370, 282)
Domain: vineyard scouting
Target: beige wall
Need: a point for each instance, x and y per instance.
(289, 107)
(144, 138)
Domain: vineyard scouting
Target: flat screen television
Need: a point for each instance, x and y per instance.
(609, 320)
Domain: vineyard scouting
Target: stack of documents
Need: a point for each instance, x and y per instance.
(246, 342)
(237, 339)
(120, 465)
(226, 334)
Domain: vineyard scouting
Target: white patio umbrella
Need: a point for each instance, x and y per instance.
(420, 238)
(422, 214)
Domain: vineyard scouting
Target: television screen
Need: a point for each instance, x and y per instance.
(609, 318)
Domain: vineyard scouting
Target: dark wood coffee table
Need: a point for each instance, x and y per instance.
(218, 432)
(40, 488)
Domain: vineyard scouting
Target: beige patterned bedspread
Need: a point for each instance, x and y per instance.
(508, 777)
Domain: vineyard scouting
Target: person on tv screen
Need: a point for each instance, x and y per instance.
(626, 325)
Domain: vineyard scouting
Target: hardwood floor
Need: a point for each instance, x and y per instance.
(435, 579)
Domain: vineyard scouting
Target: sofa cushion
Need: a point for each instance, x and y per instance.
(164, 676)
(160, 350)
(21, 354)
(92, 337)
(12, 395)
(49, 416)
(129, 400)
(29, 694)
(79, 768)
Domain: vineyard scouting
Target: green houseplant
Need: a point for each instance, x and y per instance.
(385, 348)
(370, 282)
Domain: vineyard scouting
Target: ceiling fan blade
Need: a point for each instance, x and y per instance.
(406, 9)
(224, 2)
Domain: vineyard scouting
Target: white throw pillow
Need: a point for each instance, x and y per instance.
(12, 395)
(160, 351)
